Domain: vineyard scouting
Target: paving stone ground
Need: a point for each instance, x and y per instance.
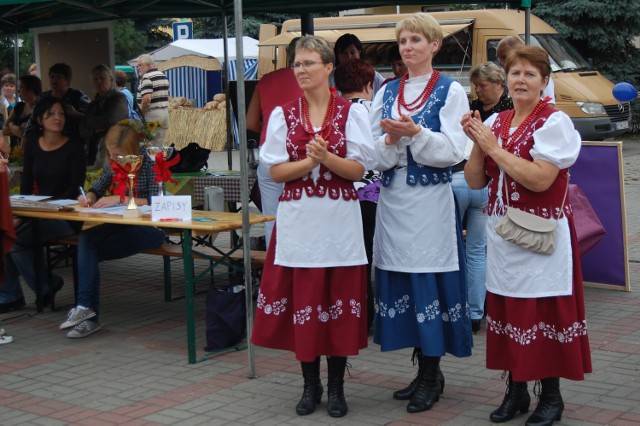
(135, 370)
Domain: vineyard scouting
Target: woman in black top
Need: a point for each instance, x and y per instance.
(54, 165)
(489, 82)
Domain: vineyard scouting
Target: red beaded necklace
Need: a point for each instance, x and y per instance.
(325, 129)
(506, 126)
(421, 99)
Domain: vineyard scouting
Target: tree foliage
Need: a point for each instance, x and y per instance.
(603, 31)
(7, 52)
(214, 27)
(128, 43)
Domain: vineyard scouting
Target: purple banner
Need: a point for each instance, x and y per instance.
(597, 172)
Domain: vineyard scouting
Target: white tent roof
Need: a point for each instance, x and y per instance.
(208, 48)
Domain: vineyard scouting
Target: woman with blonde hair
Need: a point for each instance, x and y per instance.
(536, 326)
(110, 241)
(313, 295)
(421, 298)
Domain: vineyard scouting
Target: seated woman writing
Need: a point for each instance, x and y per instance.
(110, 241)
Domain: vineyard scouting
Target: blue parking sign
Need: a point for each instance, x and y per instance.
(182, 30)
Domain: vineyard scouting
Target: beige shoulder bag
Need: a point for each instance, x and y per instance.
(527, 230)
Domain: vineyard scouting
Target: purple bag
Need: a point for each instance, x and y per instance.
(589, 229)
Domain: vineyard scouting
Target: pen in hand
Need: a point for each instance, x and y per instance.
(86, 200)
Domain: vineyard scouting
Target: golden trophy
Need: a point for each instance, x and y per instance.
(131, 164)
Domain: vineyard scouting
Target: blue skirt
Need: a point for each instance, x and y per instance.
(425, 310)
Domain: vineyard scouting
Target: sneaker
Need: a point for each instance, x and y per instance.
(76, 316)
(84, 329)
(4, 339)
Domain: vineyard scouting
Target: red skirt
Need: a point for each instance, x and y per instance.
(312, 311)
(536, 338)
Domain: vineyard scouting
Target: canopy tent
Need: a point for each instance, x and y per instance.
(194, 67)
(17, 15)
(207, 48)
(213, 50)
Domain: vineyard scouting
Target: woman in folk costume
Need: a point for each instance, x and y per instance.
(313, 295)
(536, 327)
(421, 295)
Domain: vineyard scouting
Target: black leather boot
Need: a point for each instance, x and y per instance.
(550, 404)
(428, 387)
(336, 405)
(406, 393)
(516, 398)
(312, 391)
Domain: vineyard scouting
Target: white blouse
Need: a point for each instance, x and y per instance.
(316, 232)
(416, 225)
(516, 272)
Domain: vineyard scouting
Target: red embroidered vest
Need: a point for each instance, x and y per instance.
(546, 203)
(297, 139)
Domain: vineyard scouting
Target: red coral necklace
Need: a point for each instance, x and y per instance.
(421, 99)
(325, 129)
(506, 126)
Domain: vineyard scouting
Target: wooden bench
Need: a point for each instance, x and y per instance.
(168, 251)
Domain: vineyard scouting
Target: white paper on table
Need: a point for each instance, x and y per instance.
(115, 210)
(32, 197)
(63, 202)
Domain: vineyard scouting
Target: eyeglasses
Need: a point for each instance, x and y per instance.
(304, 65)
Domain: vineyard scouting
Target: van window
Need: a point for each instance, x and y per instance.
(455, 52)
(563, 56)
(492, 51)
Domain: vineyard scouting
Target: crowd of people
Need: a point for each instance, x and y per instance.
(60, 132)
(366, 177)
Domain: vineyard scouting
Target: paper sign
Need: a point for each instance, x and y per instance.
(171, 208)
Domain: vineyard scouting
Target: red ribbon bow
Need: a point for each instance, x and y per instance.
(161, 168)
(119, 180)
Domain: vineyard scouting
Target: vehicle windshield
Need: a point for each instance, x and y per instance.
(563, 56)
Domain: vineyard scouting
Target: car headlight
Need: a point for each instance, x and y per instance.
(592, 108)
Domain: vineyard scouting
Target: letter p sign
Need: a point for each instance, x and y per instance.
(182, 30)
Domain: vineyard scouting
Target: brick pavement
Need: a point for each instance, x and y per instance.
(135, 372)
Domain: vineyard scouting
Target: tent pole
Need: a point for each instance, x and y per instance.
(306, 23)
(225, 81)
(16, 55)
(241, 114)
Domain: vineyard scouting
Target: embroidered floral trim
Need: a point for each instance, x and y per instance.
(526, 337)
(452, 314)
(567, 335)
(431, 312)
(356, 309)
(334, 312)
(275, 308)
(302, 316)
(400, 307)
